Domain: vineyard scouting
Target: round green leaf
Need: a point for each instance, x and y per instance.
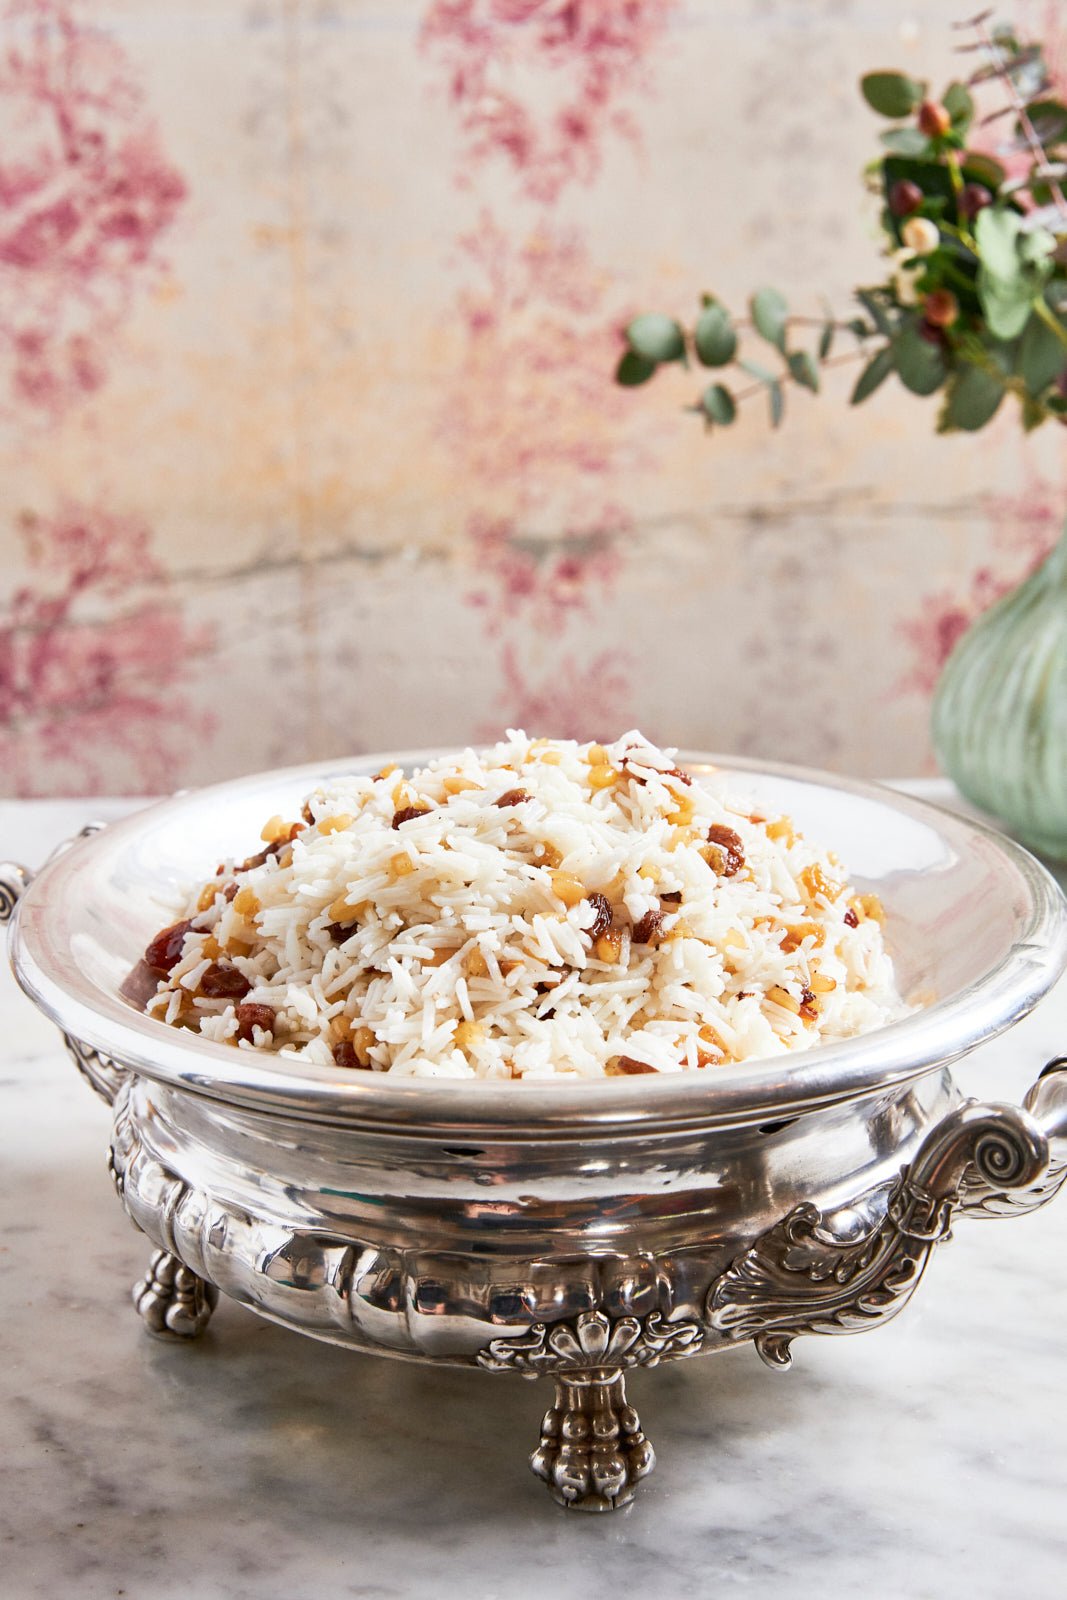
(714, 337)
(718, 404)
(656, 338)
(633, 369)
(971, 400)
(920, 365)
(1049, 119)
(891, 94)
(769, 312)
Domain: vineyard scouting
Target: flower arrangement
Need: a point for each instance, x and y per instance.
(974, 302)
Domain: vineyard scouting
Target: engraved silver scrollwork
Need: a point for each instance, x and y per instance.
(806, 1275)
(592, 1340)
(592, 1452)
(104, 1075)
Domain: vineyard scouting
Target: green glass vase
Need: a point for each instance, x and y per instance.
(1000, 710)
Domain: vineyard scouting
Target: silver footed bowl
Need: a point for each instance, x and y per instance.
(575, 1229)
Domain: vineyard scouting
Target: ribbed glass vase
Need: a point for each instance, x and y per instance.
(1000, 711)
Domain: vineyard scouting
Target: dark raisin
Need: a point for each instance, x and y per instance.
(629, 1067)
(407, 813)
(601, 915)
(307, 814)
(743, 994)
(229, 893)
(513, 797)
(546, 1016)
(807, 996)
(344, 1054)
(338, 932)
(674, 898)
(730, 846)
(253, 861)
(676, 772)
(224, 983)
(251, 1016)
(647, 930)
(165, 951)
(851, 919)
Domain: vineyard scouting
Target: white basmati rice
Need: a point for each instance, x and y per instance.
(543, 909)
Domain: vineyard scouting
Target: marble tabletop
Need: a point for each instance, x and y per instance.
(926, 1460)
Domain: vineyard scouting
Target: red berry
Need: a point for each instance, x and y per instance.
(974, 197)
(931, 333)
(934, 120)
(904, 197)
(941, 308)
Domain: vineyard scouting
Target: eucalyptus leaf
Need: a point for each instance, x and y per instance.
(714, 337)
(959, 104)
(876, 311)
(633, 369)
(905, 141)
(656, 338)
(777, 399)
(826, 340)
(980, 168)
(1049, 121)
(971, 399)
(804, 371)
(762, 373)
(719, 405)
(891, 94)
(1041, 357)
(874, 374)
(769, 312)
(920, 365)
(1013, 267)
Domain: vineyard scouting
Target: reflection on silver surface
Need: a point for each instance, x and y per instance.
(582, 1229)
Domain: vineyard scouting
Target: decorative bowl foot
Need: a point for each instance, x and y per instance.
(592, 1453)
(172, 1302)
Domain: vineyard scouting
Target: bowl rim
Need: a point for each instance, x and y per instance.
(768, 1089)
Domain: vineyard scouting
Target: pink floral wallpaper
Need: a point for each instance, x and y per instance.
(308, 438)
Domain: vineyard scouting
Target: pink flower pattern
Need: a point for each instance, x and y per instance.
(92, 657)
(85, 195)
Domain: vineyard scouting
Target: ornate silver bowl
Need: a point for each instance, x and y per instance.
(579, 1229)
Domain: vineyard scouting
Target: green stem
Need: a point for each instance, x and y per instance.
(1050, 319)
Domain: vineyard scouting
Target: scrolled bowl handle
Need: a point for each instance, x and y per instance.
(13, 881)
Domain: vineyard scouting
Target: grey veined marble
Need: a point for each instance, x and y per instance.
(928, 1460)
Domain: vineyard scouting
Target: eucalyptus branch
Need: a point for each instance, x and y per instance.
(972, 304)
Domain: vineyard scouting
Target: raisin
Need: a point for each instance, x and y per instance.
(513, 797)
(601, 915)
(808, 1009)
(546, 1016)
(251, 1016)
(338, 932)
(224, 983)
(851, 919)
(647, 930)
(407, 813)
(344, 1054)
(253, 861)
(229, 893)
(165, 951)
(629, 1067)
(674, 898)
(676, 772)
(743, 994)
(307, 813)
(731, 848)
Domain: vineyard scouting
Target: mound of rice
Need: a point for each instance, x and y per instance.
(545, 909)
